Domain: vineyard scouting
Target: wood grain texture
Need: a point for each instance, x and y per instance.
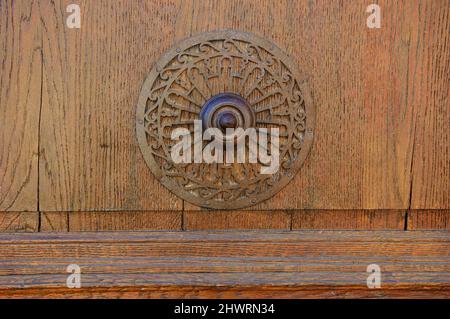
(11, 222)
(110, 221)
(430, 97)
(361, 80)
(211, 219)
(381, 96)
(20, 95)
(344, 219)
(228, 292)
(222, 220)
(54, 221)
(129, 220)
(226, 264)
(90, 159)
(429, 219)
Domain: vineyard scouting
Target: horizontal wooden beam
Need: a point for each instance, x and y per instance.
(258, 264)
(314, 219)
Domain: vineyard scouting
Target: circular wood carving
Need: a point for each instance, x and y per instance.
(226, 79)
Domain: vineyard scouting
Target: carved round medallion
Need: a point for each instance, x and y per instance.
(248, 92)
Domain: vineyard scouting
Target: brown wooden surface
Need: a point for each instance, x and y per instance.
(110, 221)
(69, 95)
(20, 97)
(429, 219)
(204, 220)
(228, 292)
(69, 159)
(223, 220)
(227, 220)
(54, 221)
(353, 219)
(226, 264)
(90, 159)
(19, 222)
(430, 97)
(367, 86)
(381, 96)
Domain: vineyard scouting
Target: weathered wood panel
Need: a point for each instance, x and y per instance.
(131, 220)
(429, 219)
(430, 99)
(229, 292)
(349, 219)
(381, 96)
(54, 221)
(227, 264)
(110, 221)
(20, 99)
(360, 79)
(90, 159)
(11, 222)
(364, 83)
(211, 219)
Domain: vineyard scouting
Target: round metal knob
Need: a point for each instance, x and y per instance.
(227, 120)
(227, 110)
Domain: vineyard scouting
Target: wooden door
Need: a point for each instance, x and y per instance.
(70, 160)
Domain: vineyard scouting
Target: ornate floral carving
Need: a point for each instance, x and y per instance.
(213, 63)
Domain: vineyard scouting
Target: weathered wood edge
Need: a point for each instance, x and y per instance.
(227, 292)
(227, 264)
(226, 236)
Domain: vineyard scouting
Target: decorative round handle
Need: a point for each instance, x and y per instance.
(225, 81)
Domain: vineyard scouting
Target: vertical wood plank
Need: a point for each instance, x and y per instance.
(386, 117)
(92, 78)
(20, 92)
(362, 152)
(430, 91)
